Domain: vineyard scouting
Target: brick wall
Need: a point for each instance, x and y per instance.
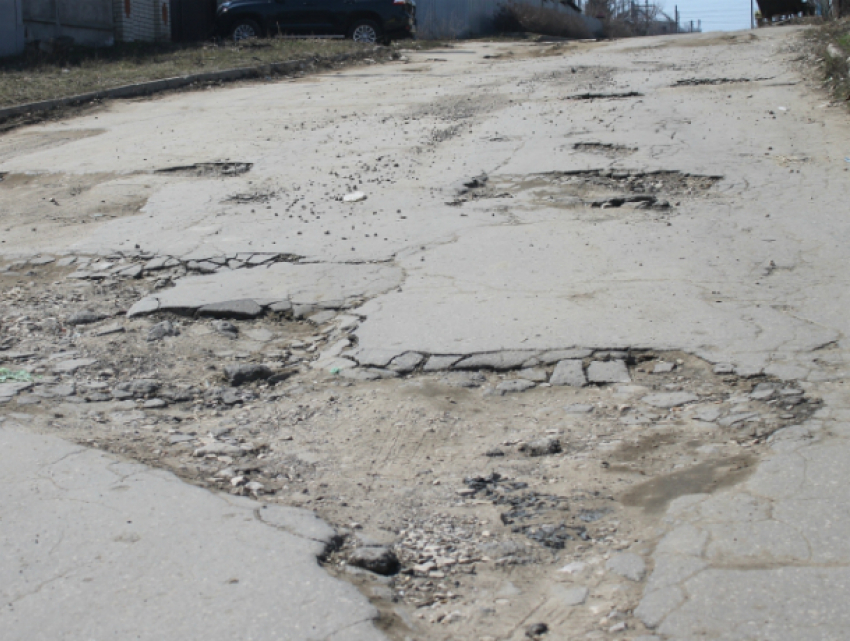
(146, 20)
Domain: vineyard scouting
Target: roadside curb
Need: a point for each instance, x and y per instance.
(178, 82)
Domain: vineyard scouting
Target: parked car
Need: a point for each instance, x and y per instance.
(368, 21)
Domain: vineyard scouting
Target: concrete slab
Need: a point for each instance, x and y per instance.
(117, 550)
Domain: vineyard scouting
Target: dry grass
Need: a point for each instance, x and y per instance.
(38, 76)
(831, 43)
(517, 16)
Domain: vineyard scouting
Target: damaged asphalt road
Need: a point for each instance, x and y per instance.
(564, 364)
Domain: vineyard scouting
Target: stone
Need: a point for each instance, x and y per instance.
(225, 327)
(71, 366)
(358, 374)
(320, 318)
(763, 392)
(724, 368)
(115, 328)
(241, 309)
(239, 374)
(670, 399)
(38, 261)
(406, 363)
(85, 317)
(749, 371)
(465, 379)
(303, 311)
(536, 630)
(154, 404)
(498, 360)
(230, 396)
(738, 417)
(627, 565)
(516, 385)
(440, 363)
(541, 447)
(144, 306)
(380, 560)
(557, 355)
(219, 449)
(707, 414)
(663, 368)
(569, 596)
(139, 387)
(579, 408)
(160, 262)
(608, 372)
(10, 390)
(569, 372)
(281, 307)
(534, 374)
(161, 330)
(133, 271)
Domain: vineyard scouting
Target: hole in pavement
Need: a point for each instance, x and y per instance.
(598, 188)
(207, 169)
(606, 149)
(692, 82)
(606, 96)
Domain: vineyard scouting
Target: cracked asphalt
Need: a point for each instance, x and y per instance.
(680, 194)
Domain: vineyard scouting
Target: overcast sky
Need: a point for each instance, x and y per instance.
(716, 15)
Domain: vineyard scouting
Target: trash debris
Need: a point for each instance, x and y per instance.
(21, 376)
(355, 197)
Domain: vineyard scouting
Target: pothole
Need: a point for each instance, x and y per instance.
(694, 82)
(595, 188)
(606, 96)
(493, 499)
(209, 169)
(605, 149)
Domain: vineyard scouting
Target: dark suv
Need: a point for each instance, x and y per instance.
(361, 20)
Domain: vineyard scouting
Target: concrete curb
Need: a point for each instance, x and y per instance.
(156, 86)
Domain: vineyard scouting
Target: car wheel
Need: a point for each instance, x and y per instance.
(365, 31)
(244, 30)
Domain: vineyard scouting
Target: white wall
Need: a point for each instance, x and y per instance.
(11, 27)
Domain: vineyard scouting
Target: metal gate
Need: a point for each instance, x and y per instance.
(192, 20)
(11, 28)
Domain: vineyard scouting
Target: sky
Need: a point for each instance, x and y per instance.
(716, 15)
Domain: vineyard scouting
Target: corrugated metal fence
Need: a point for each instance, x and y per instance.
(464, 18)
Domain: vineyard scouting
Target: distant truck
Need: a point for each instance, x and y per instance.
(770, 9)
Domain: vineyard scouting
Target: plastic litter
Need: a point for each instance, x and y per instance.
(21, 376)
(355, 197)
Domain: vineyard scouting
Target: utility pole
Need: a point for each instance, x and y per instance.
(677, 18)
(752, 14)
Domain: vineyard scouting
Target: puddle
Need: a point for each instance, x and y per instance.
(704, 478)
